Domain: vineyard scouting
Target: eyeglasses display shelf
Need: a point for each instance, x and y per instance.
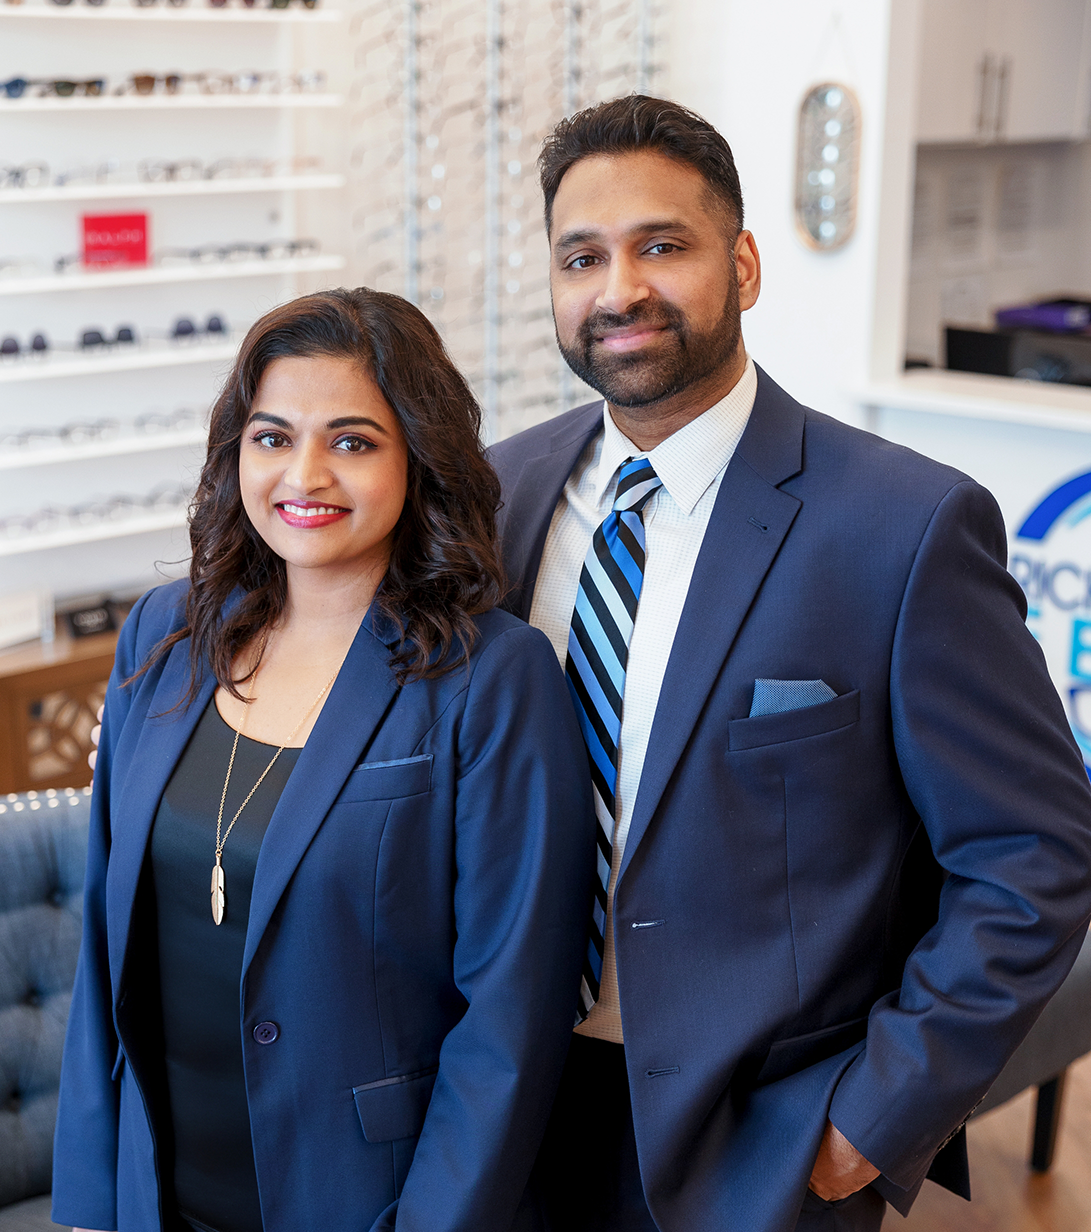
(172, 102)
(170, 188)
(155, 13)
(211, 133)
(69, 536)
(123, 359)
(155, 274)
(20, 459)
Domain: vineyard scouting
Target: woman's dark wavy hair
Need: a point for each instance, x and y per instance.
(444, 566)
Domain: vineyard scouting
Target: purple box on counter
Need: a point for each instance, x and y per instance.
(1059, 316)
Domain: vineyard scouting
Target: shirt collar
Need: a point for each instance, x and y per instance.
(690, 459)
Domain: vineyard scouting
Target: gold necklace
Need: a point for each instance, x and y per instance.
(219, 894)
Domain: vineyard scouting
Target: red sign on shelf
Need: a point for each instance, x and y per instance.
(115, 239)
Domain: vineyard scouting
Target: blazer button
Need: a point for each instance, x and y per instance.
(266, 1032)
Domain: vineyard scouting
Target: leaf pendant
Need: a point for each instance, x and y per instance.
(218, 899)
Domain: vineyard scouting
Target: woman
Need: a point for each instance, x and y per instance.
(342, 841)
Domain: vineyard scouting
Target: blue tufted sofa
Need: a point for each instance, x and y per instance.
(43, 846)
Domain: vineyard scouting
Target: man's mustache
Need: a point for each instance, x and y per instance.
(655, 316)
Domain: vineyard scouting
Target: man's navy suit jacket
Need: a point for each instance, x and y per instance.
(855, 909)
(416, 931)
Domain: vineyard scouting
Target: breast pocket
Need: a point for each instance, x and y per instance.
(389, 780)
(766, 729)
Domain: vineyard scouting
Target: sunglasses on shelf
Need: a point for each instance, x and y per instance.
(95, 339)
(186, 327)
(283, 4)
(145, 83)
(16, 87)
(10, 348)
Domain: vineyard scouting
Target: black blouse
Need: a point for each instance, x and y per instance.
(200, 968)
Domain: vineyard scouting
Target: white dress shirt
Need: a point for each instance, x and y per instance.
(691, 464)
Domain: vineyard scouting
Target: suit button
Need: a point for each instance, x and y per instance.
(266, 1032)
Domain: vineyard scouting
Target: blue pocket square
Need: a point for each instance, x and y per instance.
(777, 696)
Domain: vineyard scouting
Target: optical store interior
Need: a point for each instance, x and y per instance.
(916, 173)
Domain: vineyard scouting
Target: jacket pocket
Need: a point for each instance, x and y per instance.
(789, 1056)
(794, 724)
(389, 780)
(394, 1107)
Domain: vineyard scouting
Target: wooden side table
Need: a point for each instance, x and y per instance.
(48, 699)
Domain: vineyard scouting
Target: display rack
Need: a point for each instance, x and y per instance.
(106, 363)
(52, 455)
(171, 102)
(154, 275)
(69, 536)
(179, 188)
(224, 16)
(268, 128)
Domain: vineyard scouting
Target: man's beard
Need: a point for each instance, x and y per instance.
(683, 358)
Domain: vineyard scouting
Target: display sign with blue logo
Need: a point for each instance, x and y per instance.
(1051, 560)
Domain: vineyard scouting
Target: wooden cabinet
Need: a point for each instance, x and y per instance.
(48, 699)
(1003, 70)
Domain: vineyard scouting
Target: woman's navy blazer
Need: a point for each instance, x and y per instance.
(416, 934)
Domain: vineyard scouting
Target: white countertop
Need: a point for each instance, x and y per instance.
(969, 395)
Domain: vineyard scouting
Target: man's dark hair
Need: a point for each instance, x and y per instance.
(633, 124)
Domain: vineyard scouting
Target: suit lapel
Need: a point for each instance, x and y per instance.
(749, 521)
(162, 740)
(530, 504)
(357, 704)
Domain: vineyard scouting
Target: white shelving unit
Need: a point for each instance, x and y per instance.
(171, 102)
(161, 275)
(140, 358)
(70, 536)
(155, 13)
(280, 131)
(170, 188)
(119, 446)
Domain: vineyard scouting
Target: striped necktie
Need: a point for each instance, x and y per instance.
(598, 652)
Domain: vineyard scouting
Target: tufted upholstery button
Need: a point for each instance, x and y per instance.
(42, 853)
(266, 1032)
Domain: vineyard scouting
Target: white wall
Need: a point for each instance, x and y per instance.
(825, 323)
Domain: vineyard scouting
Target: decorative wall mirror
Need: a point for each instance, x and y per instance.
(827, 166)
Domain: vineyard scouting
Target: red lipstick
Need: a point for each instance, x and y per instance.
(308, 514)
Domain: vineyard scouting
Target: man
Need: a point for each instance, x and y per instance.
(844, 845)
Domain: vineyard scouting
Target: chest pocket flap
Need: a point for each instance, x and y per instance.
(394, 1108)
(389, 780)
